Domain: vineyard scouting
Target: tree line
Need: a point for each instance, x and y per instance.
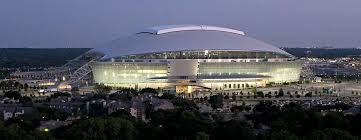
(268, 121)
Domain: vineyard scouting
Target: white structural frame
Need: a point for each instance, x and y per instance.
(176, 28)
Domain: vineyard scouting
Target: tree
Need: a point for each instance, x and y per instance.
(12, 95)
(260, 94)
(123, 114)
(16, 132)
(97, 109)
(125, 97)
(60, 94)
(102, 128)
(309, 94)
(149, 90)
(280, 92)
(236, 109)
(216, 101)
(17, 85)
(202, 136)
(254, 91)
(247, 108)
(26, 87)
(167, 96)
(205, 98)
(335, 120)
(233, 130)
(52, 114)
(234, 97)
(331, 134)
(187, 123)
(184, 104)
(269, 95)
(263, 106)
(75, 90)
(148, 109)
(26, 101)
(283, 135)
(102, 89)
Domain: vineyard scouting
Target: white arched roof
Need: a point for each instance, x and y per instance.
(184, 37)
(177, 28)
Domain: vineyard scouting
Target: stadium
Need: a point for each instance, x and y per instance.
(188, 58)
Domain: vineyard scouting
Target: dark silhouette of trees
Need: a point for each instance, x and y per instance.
(280, 92)
(233, 130)
(110, 128)
(102, 89)
(216, 101)
(12, 95)
(148, 90)
(167, 96)
(267, 121)
(309, 94)
(60, 94)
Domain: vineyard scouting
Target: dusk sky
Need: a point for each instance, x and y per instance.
(91, 23)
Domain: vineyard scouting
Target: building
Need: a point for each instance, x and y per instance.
(189, 58)
(40, 75)
(63, 104)
(161, 104)
(14, 111)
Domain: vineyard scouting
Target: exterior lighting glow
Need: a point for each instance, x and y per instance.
(195, 58)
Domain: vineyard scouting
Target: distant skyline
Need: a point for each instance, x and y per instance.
(92, 23)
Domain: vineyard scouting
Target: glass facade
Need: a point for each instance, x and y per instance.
(278, 72)
(210, 74)
(214, 69)
(127, 73)
(208, 54)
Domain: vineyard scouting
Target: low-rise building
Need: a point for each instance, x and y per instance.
(12, 112)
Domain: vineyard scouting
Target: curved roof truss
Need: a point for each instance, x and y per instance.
(176, 28)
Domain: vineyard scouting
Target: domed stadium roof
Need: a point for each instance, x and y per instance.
(185, 38)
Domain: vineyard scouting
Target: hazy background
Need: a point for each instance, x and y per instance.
(91, 23)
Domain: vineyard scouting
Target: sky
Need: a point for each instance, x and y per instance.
(92, 23)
